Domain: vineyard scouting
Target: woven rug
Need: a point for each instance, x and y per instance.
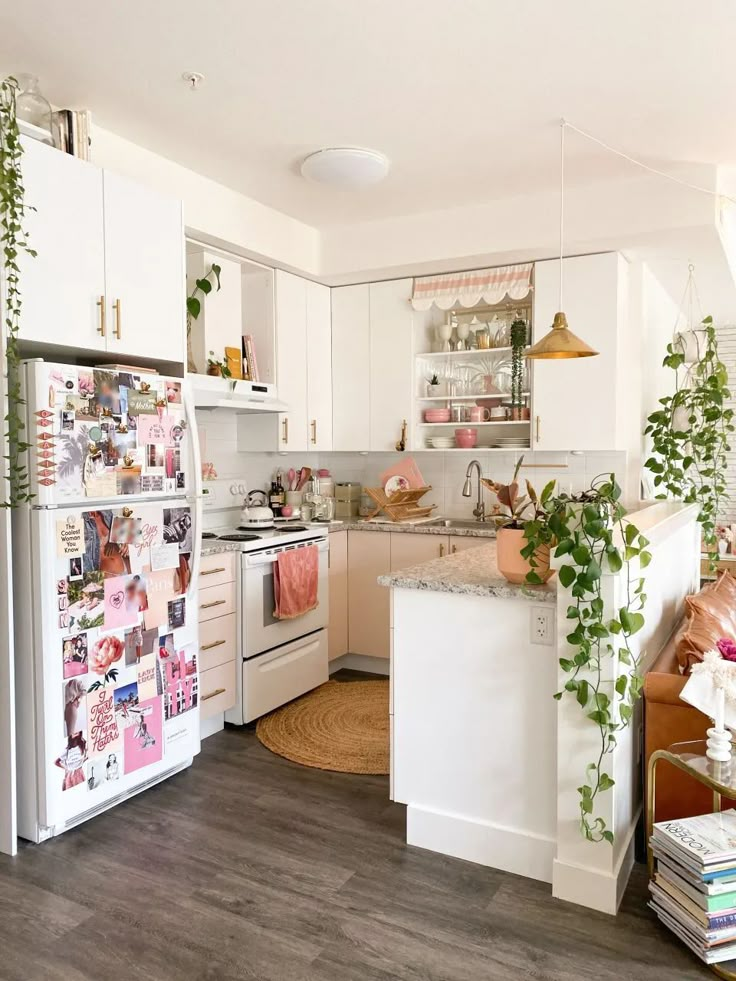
(342, 726)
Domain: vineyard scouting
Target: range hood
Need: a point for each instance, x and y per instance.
(211, 392)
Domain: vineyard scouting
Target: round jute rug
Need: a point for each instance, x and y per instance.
(342, 725)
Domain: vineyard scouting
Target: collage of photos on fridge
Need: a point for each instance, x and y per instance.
(129, 667)
(107, 432)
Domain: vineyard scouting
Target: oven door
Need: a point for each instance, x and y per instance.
(261, 630)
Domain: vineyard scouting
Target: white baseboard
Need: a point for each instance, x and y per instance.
(596, 888)
(477, 841)
(216, 723)
(361, 662)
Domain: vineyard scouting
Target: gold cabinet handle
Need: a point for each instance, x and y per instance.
(117, 329)
(211, 694)
(102, 329)
(453, 549)
(285, 434)
(215, 643)
(442, 549)
(538, 420)
(211, 572)
(314, 430)
(208, 606)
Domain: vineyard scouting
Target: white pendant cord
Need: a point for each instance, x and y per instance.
(563, 124)
(651, 170)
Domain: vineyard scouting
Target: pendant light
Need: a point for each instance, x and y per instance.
(560, 342)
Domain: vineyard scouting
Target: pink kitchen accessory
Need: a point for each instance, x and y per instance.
(466, 439)
(406, 468)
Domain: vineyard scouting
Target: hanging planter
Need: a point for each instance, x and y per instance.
(14, 242)
(691, 344)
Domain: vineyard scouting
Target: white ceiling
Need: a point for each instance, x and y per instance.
(463, 96)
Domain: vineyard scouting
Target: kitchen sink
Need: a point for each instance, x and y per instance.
(462, 523)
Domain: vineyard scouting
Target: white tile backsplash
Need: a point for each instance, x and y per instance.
(443, 471)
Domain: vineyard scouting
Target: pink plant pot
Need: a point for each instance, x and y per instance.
(511, 563)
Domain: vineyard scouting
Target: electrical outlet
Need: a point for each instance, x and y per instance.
(542, 625)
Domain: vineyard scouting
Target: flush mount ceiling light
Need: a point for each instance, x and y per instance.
(345, 167)
(560, 342)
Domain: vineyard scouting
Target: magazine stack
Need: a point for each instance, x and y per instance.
(693, 891)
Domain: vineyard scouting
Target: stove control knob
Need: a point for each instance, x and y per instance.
(233, 489)
(241, 488)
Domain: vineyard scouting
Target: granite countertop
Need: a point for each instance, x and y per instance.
(472, 573)
(483, 530)
(211, 546)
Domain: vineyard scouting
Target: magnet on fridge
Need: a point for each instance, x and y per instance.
(46, 482)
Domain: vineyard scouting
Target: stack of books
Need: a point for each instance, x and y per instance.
(694, 887)
(73, 131)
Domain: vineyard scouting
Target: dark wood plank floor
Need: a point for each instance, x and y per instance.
(247, 866)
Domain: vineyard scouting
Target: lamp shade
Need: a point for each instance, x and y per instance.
(560, 342)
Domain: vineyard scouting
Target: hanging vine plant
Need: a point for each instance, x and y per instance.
(14, 242)
(518, 343)
(691, 432)
(591, 532)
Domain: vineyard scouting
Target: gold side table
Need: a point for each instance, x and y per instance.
(719, 777)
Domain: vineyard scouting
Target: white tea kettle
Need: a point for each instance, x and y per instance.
(256, 513)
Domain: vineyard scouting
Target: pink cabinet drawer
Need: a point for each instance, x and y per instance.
(217, 569)
(216, 601)
(217, 641)
(217, 686)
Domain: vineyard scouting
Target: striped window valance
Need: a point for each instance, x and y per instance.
(468, 289)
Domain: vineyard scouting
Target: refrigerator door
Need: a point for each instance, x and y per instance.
(102, 435)
(108, 638)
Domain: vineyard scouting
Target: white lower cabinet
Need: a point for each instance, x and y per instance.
(218, 633)
(338, 592)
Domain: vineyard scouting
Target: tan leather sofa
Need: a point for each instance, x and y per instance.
(710, 615)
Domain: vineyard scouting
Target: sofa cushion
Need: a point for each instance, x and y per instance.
(711, 614)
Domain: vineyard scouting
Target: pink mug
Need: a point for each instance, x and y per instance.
(479, 413)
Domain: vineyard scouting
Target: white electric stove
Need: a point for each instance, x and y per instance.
(280, 659)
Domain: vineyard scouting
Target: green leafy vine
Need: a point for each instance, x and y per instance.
(691, 432)
(14, 242)
(591, 533)
(518, 343)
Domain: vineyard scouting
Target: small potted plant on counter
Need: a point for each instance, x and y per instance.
(218, 368)
(520, 517)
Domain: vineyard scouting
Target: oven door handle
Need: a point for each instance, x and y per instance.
(268, 558)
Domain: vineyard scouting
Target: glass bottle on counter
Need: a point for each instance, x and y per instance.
(277, 496)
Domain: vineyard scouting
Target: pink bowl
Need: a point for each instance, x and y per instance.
(466, 439)
(437, 415)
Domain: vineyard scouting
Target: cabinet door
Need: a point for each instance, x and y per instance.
(319, 366)
(408, 549)
(62, 287)
(391, 324)
(338, 583)
(461, 543)
(144, 271)
(369, 556)
(575, 402)
(351, 368)
(291, 360)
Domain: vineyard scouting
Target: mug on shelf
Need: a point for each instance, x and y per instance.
(479, 413)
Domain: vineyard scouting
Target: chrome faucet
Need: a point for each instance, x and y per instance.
(479, 511)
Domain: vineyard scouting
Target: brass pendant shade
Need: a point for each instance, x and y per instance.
(560, 342)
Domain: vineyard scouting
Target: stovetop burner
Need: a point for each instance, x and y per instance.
(208, 534)
(238, 536)
(287, 531)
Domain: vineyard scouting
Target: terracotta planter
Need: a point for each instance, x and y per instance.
(511, 563)
(213, 370)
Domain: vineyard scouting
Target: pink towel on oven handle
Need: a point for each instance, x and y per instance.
(295, 582)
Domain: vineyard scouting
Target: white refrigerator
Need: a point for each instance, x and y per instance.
(105, 567)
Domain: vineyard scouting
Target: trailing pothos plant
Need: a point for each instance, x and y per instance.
(518, 342)
(691, 433)
(14, 242)
(589, 531)
(202, 287)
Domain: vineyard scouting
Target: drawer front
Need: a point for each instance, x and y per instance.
(274, 678)
(217, 569)
(216, 601)
(218, 641)
(217, 686)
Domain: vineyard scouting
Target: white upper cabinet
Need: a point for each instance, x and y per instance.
(109, 276)
(579, 404)
(391, 367)
(291, 360)
(144, 271)
(64, 286)
(351, 368)
(319, 367)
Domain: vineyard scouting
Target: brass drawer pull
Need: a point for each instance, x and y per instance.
(212, 694)
(208, 606)
(454, 549)
(215, 643)
(314, 430)
(212, 572)
(285, 425)
(101, 304)
(538, 427)
(117, 329)
(442, 550)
